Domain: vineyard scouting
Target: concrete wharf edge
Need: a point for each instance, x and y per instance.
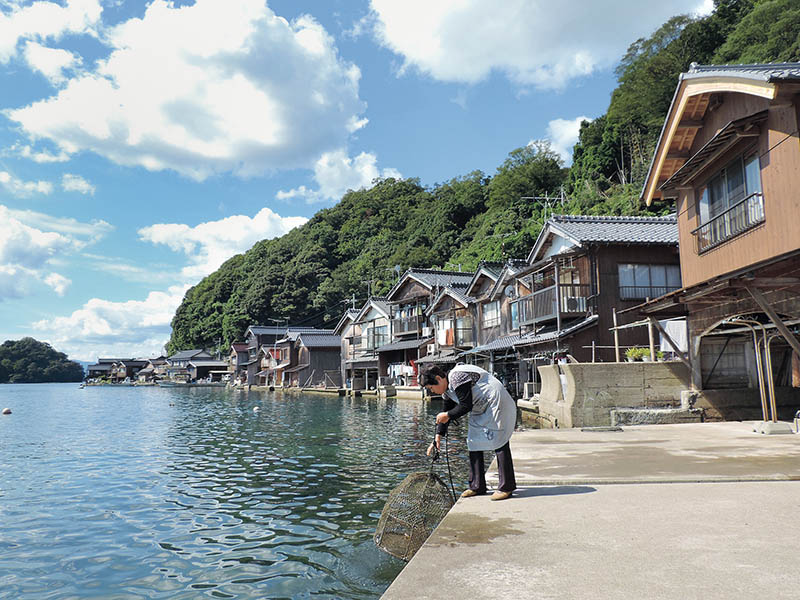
(593, 518)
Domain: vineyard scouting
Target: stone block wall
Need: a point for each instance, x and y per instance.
(591, 391)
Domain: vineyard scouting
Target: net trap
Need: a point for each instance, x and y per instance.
(413, 510)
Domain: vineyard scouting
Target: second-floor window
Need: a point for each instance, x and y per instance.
(638, 281)
(739, 179)
(730, 203)
(491, 314)
(514, 310)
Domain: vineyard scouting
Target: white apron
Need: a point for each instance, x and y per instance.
(493, 415)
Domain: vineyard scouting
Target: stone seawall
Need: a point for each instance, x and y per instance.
(587, 394)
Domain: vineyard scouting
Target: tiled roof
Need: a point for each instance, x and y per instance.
(405, 345)
(761, 72)
(458, 294)
(431, 278)
(623, 230)
(100, 367)
(311, 340)
(208, 363)
(185, 354)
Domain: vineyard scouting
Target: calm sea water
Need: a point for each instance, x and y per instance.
(141, 492)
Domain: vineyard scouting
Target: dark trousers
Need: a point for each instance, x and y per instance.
(505, 469)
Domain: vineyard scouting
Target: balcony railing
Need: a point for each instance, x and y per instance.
(410, 325)
(541, 304)
(642, 292)
(740, 217)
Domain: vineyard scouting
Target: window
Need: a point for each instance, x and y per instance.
(730, 203)
(637, 282)
(514, 309)
(491, 314)
(739, 179)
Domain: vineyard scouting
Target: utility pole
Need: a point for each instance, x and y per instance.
(369, 283)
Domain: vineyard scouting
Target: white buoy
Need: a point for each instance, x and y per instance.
(6, 411)
(256, 409)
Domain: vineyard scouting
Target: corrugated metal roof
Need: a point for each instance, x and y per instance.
(623, 230)
(405, 344)
(501, 343)
(532, 338)
(758, 72)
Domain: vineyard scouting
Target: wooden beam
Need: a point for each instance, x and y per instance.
(671, 342)
(762, 282)
(690, 124)
(790, 338)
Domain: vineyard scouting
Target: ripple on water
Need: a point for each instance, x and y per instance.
(165, 493)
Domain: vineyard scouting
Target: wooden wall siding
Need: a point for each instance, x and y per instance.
(779, 147)
(608, 259)
(410, 290)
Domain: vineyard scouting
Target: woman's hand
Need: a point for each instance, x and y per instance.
(442, 418)
(437, 443)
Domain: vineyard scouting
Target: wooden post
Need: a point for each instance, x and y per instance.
(652, 340)
(671, 342)
(616, 335)
(773, 316)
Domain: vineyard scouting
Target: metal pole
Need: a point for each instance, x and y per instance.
(616, 335)
(770, 379)
(652, 340)
(759, 367)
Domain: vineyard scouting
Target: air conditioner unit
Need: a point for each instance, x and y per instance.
(431, 348)
(575, 303)
(426, 331)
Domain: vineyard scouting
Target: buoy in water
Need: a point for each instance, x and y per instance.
(256, 409)
(6, 411)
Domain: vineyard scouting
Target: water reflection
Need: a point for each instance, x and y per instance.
(187, 493)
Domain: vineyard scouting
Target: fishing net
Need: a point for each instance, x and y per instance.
(411, 513)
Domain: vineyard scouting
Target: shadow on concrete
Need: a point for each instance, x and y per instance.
(556, 490)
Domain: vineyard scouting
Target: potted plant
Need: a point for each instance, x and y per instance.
(637, 353)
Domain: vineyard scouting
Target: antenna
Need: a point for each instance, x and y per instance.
(510, 291)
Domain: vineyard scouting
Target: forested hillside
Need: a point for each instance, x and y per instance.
(30, 361)
(307, 275)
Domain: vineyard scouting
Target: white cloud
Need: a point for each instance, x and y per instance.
(45, 20)
(544, 44)
(563, 135)
(42, 156)
(18, 187)
(81, 234)
(210, 244)
(102, 327)
(50, 62)
(29, 250)
(59, 283)
(335, 173)
(76, 183)
(206, 88)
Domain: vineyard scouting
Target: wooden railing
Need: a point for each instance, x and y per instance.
(740, 217)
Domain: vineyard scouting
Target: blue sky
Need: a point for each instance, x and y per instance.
(143, 143)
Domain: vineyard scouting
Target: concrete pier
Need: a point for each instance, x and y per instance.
(678, 512)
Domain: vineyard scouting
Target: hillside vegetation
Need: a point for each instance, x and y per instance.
(30, 361)
(361, 243)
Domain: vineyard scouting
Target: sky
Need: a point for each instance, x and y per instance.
(144, 143)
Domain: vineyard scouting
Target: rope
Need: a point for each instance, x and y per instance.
(435, 456)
